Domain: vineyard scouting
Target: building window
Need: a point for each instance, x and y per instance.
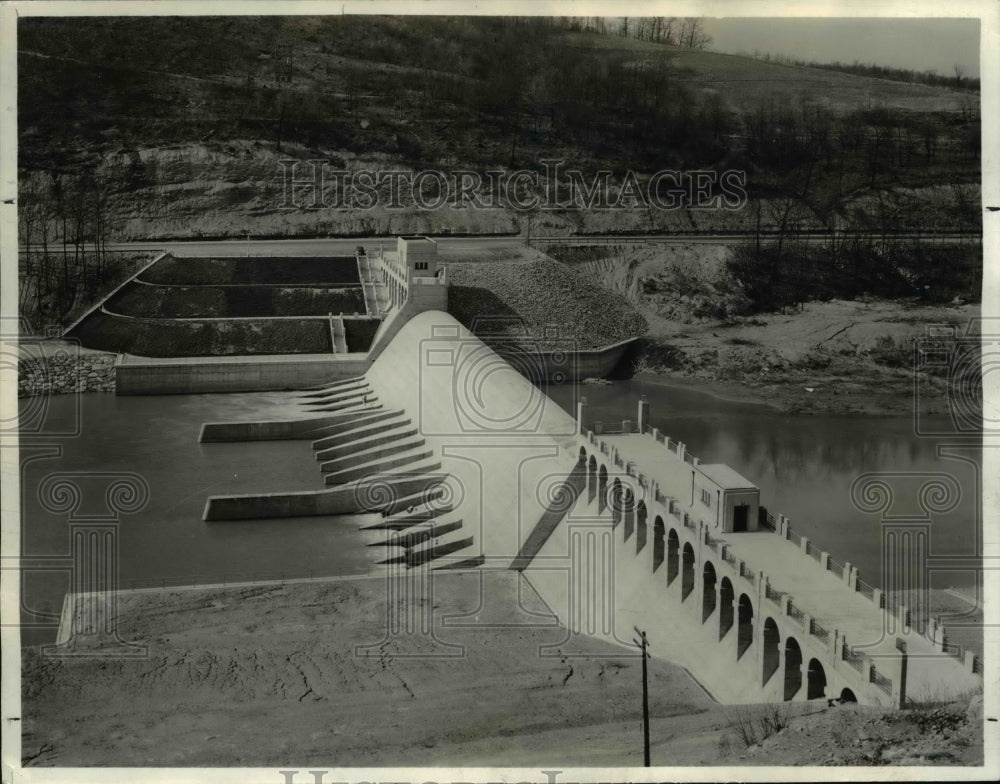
(420, 265)
(706, 497)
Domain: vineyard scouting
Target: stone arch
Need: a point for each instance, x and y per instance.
(708, 583)
(591, 479)
(744, 625)
(658, 543)
(793, 668)
(673, 555)
(815, 680)
(846, 695)
(602, 488)
(771, 642)
(640, 526)
(617, 501)
(583, 456)
(687, 570)
(726, 598)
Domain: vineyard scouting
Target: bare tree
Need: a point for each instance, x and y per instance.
(959, 73)
(692, 34)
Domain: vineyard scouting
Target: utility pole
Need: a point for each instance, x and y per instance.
(642, 644)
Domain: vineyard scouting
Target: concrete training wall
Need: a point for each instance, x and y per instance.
(236, 374)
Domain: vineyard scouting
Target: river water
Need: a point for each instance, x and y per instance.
(804, 466)
(157, 438)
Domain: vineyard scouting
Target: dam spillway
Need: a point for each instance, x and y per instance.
(463, 463)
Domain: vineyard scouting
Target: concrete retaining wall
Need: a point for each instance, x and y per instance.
(137, 376)
(336, 501)
(568, 366)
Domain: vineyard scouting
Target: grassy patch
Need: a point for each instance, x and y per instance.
(753, 724)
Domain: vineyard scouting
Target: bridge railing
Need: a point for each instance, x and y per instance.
(711, 542)
(855, 660)
(819, 631)
(882, 682)
(849, 575)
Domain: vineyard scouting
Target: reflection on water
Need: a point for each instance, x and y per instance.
(805, 465)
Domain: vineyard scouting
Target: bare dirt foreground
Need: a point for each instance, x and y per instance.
(268, 675)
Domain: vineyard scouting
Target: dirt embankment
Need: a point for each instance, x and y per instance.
(226, 667)
(843, 356)
(306, 673)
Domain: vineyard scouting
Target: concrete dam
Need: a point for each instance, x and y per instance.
(460, 462)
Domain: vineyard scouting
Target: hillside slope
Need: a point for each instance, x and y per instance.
(186, 137)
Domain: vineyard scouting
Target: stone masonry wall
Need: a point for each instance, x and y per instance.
(65, 373)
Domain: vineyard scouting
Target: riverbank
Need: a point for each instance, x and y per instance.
(809, 393)
(836, 357)
(226, 666)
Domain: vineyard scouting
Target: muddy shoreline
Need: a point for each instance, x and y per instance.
(834, 395)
